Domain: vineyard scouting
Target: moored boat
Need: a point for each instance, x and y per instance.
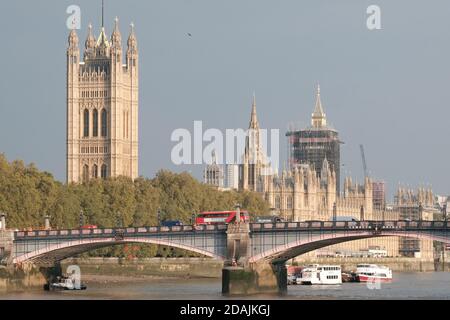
(320, 274)
(372, 273)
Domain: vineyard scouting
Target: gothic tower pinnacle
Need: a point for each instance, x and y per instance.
(254, 118)
(318, 119)
(116, 37)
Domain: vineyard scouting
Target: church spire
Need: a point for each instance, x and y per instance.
(319, 118)
(254, 119)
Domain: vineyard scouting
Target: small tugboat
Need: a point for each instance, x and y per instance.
(65, 283)
(348, 277)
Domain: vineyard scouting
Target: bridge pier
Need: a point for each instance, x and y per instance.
(239, 277)
(263, 277)
(27, 276)
(24, 275)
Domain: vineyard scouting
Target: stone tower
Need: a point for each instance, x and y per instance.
(102, 107)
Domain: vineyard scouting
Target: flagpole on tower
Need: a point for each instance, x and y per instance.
(103, 13)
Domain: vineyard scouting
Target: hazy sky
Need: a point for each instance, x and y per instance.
(388, 89)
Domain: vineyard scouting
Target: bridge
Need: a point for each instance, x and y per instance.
(254, 254)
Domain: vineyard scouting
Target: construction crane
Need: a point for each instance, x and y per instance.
(363, 161)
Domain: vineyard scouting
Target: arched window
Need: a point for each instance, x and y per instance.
(277, 202)
(104, 123)
(95, 124)
(104, 174)
(94, 171)
(85, 173)
(86, 123)
(289, 202)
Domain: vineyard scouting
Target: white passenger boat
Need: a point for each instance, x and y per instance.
(372, 273)
(321, 274)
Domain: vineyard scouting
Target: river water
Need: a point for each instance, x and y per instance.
(432, 285)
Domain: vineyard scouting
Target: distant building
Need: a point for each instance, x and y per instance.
(444, 204)
(213, 174)
(379, 194)
(315, 144)
(232, 176)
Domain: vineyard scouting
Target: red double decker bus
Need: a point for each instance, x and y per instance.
(220, 217)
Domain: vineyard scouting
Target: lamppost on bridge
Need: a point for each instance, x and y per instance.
(159, 216)
(47, 222)
(238, 213)
(334, 212)
(361, 213)
(81, 219)
(444, 212)
(119, 220)
(193, 217)
(420, 211)
(2, 221)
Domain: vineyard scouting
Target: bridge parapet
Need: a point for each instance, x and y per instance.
(112, 231)
(348, 225)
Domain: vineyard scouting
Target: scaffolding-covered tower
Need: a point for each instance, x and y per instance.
(415, 207)
(316, 143)
(379, 194)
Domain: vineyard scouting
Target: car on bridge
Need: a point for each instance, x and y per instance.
(171, 223)
(89, 226)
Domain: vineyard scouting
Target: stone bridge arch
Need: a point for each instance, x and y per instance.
(53, 253)
(282, 253)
